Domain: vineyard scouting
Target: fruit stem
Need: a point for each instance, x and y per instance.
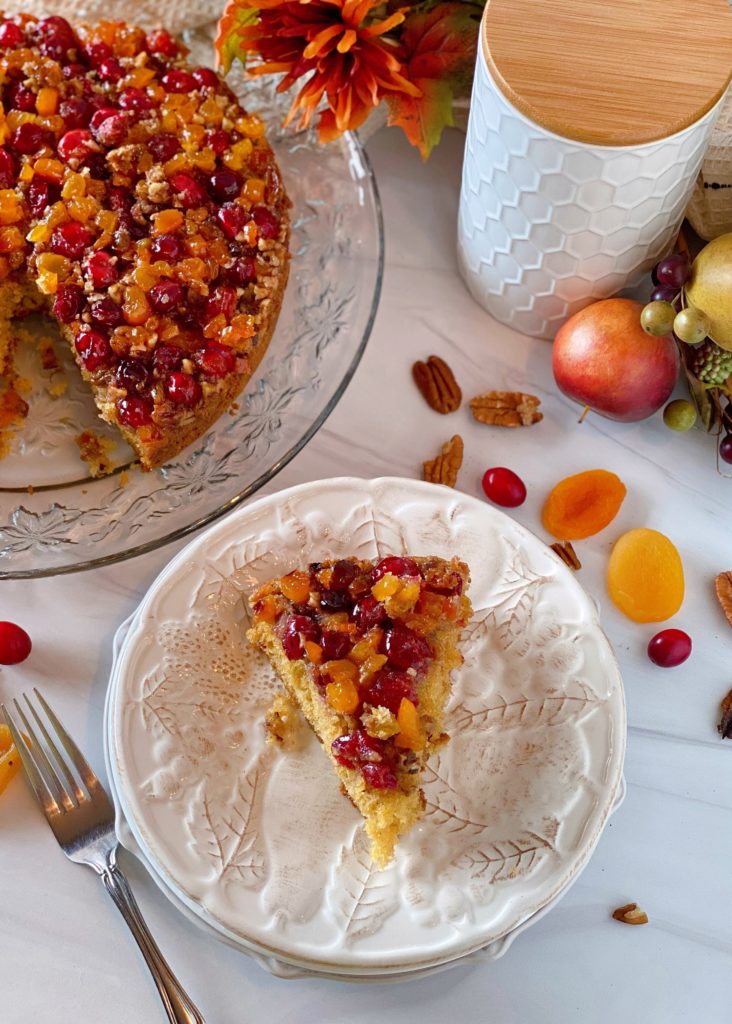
(584, 413)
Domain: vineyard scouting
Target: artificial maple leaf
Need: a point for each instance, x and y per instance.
(422, 118)
(228, 43)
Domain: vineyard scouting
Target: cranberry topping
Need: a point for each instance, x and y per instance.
(70, 239)
(335, 645)
(110, 70)
(405, 648)
(28, 137)
(38, 197)
(166, 359)
(75, 145)
(134, 412)
(135, 99)
(106, 311)
(268, 224)
(56, 38)
(389, 688)
(68, 302)
(74, 71)
(101, 269)
(242, 271)
(205, 78)
(215, 360)
(118, 199)
(165, 295)
(231, 218)
(100, 115)
(76, 113)
(379, 776)
(22, 98)
(299, 628)
(132, 375)
(182, 389)
(342, 576)
(109, 127)
(178, 80)
(11, 35)
(7, 169)
(359, 750)
(368, 613)
(163, 146)
(94, 349)
(97, 52)
(396, 566)
(225, 184)
(168, 248)
(222, 301)
(218, 140)
(190, 192)
(161, 42)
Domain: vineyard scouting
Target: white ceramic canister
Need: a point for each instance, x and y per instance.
(578, 170)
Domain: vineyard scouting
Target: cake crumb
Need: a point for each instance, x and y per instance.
(379, 722)
(94, 451)
(124, 478)
(282, 722)
(30, 489)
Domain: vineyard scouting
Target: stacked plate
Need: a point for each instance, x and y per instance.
(258, 845)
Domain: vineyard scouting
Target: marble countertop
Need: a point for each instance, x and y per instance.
(65, 955)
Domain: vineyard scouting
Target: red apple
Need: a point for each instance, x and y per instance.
(603, 359)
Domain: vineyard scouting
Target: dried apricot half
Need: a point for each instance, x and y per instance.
(582, 505)
(9, 757)
(645, 576)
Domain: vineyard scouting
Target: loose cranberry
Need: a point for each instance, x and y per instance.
(388, 690)
(11, 35)
(134, 412)
(335, 645)
(503, 487)
(68, 302)
(215, 360)
(222, 301)
(74, 71)
(70, 239)
(110, 129)
(166, 359)
(167, 248)
(135, 99)
(299, 628)
(225, 184)
(101, 269)
(397, 566)
(369, 612)
(669, 648)
(178, 80)
(161, 42)
(268, 224)
(165, 295)
(182, 389)
(406, 649)
(163, 146)
(15, 644)
(110, 70)
(7, 169)
(106, 311)
(75, 145)
(232, 219)
(218, 140)
(38, 197)
(190, 192)
(76, 113)
(242, 271)
(28, 137)
(132, 375)
(725, 448)
(94, 349)
(97, 52)
(22, 98)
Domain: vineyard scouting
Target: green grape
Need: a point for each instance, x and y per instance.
(691, 325)
(679, 415)
(657, 318)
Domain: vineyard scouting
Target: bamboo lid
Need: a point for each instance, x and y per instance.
(610, 72)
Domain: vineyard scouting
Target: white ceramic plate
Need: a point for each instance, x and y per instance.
(261, 846)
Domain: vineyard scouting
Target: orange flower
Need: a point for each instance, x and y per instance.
(349, 67)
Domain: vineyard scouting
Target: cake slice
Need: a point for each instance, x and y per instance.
(365, 649)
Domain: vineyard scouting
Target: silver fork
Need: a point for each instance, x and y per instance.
(82, 819)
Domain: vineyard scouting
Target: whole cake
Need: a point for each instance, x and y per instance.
(142, 208)
(365, 650)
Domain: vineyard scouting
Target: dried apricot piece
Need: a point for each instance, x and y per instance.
(582, 505)
(645, 576)
(9, 757)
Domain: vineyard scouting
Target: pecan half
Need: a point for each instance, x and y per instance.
(445, 467)
(437, 384)
(567, 553)
(506, 409)
(723, 587)
(725, 718)
(630, 914)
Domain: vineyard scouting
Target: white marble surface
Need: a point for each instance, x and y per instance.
(65, 956)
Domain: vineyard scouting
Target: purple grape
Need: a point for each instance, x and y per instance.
(674, 271)
(664, 293)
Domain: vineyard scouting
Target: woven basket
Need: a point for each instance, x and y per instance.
(710, 209)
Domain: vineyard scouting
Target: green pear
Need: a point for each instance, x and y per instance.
(709, 288)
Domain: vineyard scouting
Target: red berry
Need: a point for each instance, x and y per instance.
(22, 98)
(163, 146)
(135, 99)
(206, 78)
(215, 360)
(68, 302)
(369, 612)
(101, 269)
(225, 184)
(232, 219)
(503, 487)
(178, 80)
(669, 648)
(134, 412)
(725, 448)
(73, 71)
(242, 271)
(28, 137)
(110, 70)
(406, 649)
(379, 776)
(268, 224)
(389, 688)
(7, 169)
(119, 199)
(11, 35)
(299, 628)
(132, 375)
(167, 248)
(190, 192)
(109, 127)
(97, 52)
(75, 145)
(70, 239)
(218, 140)
(15, 644)
(335, 645)
(38, 197)
(222, 301)
(182, 389)
(396, 566)
(167, 358)
(165, 295)
(161, 42)
(56, 27)
(94, 349)
(106, 311)
(75, 112)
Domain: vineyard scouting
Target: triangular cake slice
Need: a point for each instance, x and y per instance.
(365, 649)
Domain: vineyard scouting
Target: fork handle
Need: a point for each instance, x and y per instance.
(178, 1005)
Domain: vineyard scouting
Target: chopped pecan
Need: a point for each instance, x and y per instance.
(567, 553)
(630, 914)
(445, 467)
(725, 718)
(437, 384)
(723, 587)
(506, 409)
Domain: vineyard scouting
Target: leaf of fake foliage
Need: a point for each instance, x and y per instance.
(228, 44)
(437, 47)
